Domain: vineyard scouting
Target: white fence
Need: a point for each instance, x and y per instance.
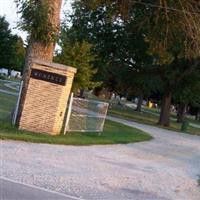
(86, 115)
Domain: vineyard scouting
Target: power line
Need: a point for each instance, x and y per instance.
(166, 8)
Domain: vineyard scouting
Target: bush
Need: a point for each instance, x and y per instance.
(2, 77)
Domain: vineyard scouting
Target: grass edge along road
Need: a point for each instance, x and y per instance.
(114, 133)
(147, 118)
(7, 104)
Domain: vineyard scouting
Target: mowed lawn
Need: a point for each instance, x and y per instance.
(148, 118)
(7, 106)
(114, 133)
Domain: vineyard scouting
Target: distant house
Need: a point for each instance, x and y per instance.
(14, 73)
(4, 71)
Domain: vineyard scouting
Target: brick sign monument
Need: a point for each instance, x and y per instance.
(46, 97)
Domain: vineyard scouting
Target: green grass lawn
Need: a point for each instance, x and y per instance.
(7, 104)
(114, 133)
(156, 111)
(146, 118)
(150, 118)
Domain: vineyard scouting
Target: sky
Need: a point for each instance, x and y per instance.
(9, 10)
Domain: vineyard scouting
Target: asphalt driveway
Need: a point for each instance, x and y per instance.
(10, 190)
(164, 168)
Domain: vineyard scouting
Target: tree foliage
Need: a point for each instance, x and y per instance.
(135, 42)
(119, 44)
(35, 15)
(142, 41)
(188, 92)
(168, 21)
(11, 48)
(78, 55)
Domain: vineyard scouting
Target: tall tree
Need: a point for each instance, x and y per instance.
(78, 54)
(173, 33)
(187, 94)
(41, 19)
(166, 40)
(11, 48)
(119, 45)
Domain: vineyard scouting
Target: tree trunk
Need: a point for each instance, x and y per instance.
(9, 72)
(181, 112)
(81, 93)
(164, 119)
(139, 103)
(197, 116)
(39, 50)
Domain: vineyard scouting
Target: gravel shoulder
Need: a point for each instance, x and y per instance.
(165, 168)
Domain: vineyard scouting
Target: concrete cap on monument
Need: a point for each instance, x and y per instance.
(46, 99)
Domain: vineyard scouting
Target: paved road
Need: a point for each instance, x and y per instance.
(165, 168)
(174, 119)
(7, 81)
(10, 190)
(12, 86)
(132, 105)
(8, 92)
(195, 125)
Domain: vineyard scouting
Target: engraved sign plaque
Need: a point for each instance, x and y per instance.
(48, 76)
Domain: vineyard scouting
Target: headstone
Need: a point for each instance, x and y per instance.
(46, 98)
